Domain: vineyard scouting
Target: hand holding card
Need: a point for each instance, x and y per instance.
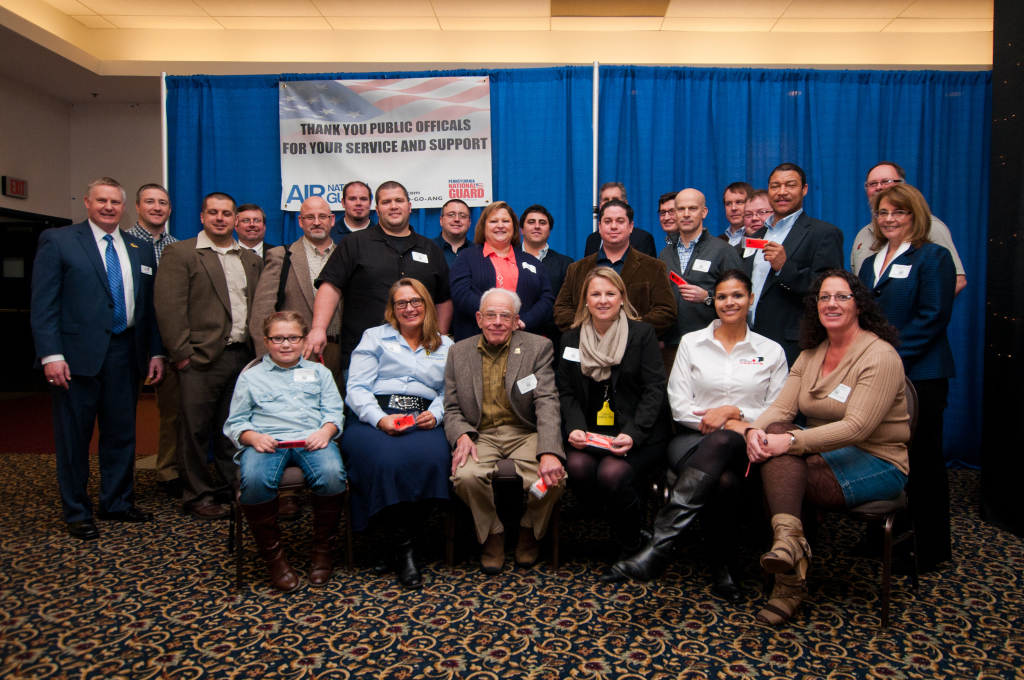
(676, 279)
(599, 441)
(408, 420)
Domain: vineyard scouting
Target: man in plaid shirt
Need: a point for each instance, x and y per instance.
(153, 205)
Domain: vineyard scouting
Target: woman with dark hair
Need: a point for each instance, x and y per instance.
(723, 378)
(914, 282)
(611, 382)
(397, 372)
(499, 262)
(849, 383)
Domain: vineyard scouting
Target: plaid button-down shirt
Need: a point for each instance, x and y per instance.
(158, 243)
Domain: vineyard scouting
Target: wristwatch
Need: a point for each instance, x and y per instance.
(708, 300)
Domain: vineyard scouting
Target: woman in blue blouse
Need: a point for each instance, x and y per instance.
(499, 262)
(914, 281)
(398, 370)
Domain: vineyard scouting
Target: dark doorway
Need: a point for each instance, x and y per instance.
(19, 235)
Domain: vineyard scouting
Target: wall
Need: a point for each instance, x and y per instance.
(34, 146)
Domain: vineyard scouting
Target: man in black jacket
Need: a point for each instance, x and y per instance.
(537, 224)
(639, 239)
(799, 248)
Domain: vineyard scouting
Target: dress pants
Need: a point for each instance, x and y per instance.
(167, 406)
(109, 397)
(928, 481)
(473, 480)
(204, 404)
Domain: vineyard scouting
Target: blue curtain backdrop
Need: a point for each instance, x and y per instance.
(661, 129)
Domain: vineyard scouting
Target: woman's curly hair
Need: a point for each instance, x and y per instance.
(870, 314)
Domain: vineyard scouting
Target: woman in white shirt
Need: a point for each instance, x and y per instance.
(724, 376)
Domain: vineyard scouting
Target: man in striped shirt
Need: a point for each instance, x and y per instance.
(153, 205)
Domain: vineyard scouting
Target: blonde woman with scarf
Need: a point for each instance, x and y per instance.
(611, 382)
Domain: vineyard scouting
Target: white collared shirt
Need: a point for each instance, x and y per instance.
(258, 248)
(705, 376)
(234, 276)
(776, 233)
(880, 258)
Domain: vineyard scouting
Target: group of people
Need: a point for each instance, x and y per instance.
(399, 368)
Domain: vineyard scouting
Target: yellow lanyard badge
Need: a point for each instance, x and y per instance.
(606, 417)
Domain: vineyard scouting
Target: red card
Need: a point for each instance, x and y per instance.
(676, 279)
(296, 444)
(599, 440)
(405, 421)
(759, 243)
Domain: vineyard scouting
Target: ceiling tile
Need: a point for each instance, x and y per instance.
(165, 22)
(398, 9)
(274, 23)
(606, 23)
(383, 23)
(950, 9)
(846, 9)
(727, 25)
(94, 21)
(751, 9)
(939, 26)
(495, 24)
(830, 25)
(258, 8)
(492, 8)
(72, 8)
(160, 8)
(609, 8)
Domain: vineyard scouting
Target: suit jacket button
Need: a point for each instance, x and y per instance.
(110, 306)
(107, 332)
(878, 293)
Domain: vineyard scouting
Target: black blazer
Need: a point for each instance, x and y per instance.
(638, 239)
(556, 266)
(812, 246)
(639, 384)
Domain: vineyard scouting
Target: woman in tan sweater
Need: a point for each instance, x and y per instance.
(849, 384)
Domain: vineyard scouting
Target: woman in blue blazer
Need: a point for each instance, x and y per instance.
(914, 282)
(498, 262)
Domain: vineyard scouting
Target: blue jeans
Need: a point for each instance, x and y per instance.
(261, 472)
(864, 477)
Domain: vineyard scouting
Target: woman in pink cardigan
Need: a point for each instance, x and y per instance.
(849, 384)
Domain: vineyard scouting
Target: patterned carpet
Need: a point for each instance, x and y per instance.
(158, 601)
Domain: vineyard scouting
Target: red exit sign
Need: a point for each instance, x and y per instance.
(14, 187)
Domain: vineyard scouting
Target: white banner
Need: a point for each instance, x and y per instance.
(431, 134)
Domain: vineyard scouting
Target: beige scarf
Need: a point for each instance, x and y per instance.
(599, 354)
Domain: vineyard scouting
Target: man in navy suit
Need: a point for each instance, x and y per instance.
(799, 248)
(95, 333)
(251, 227)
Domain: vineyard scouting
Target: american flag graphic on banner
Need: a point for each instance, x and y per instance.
(431, 134)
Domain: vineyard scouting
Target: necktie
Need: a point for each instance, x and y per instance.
(116, 286)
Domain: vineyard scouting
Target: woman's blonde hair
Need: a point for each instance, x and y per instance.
(431, 328)
(479, 237)
(903, 197)
(609, 274)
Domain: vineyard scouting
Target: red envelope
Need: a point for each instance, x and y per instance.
(756, 243)
(297, 444)
(599, 440)
(405, 421)
(676, 279)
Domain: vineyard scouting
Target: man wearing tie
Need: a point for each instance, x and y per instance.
(95, 333)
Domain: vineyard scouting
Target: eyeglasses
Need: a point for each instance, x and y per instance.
(840, 297)
(663, 213)
(881, 215)
(401, 305)
(491, 316)
(313, 218)
(251, 220)
(882, 183)
(279, 339)
(759, 213)
(453, 215)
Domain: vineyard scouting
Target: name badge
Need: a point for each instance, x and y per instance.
(147, 270)
(899, 271)
(701, 265)
(529, 266)
(527, 384)
(393, 347)
(747, 252)
(840, 393)
(420, 257)
(571, 354)
(304, 375)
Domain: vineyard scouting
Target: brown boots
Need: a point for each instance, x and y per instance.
(262, 519)
(789, 560)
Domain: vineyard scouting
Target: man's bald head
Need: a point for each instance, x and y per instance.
(316, 219)
(691, 209)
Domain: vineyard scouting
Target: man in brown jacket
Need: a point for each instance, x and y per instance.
(204, 290)
(500, 402)
(646, 278)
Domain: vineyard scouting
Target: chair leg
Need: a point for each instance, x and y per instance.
(555, 521)
(450, 535)
(915, 581)
(236, 516)
(349, 560)
(886, 568)
(231, 530)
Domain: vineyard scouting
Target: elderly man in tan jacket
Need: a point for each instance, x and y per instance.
(203, 293)
(500, 402)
